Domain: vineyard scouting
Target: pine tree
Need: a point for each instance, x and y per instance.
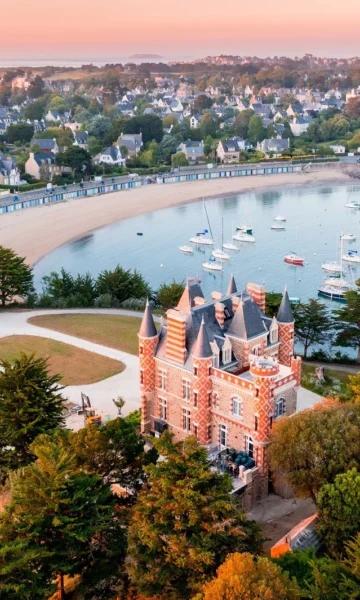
(184, 523)
(30, 404)
(58, 509)
(312, 324)
(16, 278)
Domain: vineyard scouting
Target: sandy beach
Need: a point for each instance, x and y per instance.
(35, 232)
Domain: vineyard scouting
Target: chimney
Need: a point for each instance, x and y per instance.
(220, 313)
(199, 301)
(216, 296)
(235, 300)
(258, 294)
(176, 336)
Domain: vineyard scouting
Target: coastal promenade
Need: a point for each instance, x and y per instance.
(107, 185)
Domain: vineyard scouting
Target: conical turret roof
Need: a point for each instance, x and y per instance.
(147, 328)
(285, 314)
(202, 348)
(232, 288)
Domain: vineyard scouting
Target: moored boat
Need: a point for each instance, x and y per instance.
(230, 246)
(278, 226)
(202, 239)
(348, 237)
(351, 257)
(217, 253)
(243, 237)
(335, 289)
(186, 249)
(294, 259)
(280, 218)
(212, 265)
(332, 267)
(245, 229)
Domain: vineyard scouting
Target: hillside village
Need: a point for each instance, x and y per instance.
(60, 125)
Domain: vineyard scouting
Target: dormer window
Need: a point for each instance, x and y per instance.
(216, 354)
(226, 352)
(274, 332)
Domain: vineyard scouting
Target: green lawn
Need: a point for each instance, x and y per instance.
(76, 366)
(110, 330)
(334, 384)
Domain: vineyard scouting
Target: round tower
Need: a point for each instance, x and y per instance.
(264, 371)
(148, 340)
(286, 330)
(202, 384)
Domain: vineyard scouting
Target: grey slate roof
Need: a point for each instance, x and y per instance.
(45, 144)
(285, 314)
(247, 322)
(147, 328)
(202, 348)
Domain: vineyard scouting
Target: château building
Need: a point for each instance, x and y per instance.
(223, 371)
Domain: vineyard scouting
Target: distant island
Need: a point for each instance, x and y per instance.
(152, 56)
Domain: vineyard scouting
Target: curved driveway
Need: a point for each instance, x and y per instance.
(124, 384)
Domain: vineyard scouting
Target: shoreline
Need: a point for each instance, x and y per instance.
(36, 232)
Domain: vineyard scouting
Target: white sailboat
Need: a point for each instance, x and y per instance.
(202, 238)
(332, 267)
(280, 218)
(186, 249)
(336, 288)
(212, 265)
(352, 257)
(348, 237)
(230, 246)
(218, 252)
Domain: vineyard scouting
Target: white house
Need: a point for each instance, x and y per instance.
(9, 173)
(194, 121)
(338, 148)
(299, 125)
(110, 156)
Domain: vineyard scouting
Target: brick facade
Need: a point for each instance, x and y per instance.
(228, 387)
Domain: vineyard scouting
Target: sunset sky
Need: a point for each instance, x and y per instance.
(101, 29)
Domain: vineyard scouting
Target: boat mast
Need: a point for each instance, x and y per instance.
(207, 217)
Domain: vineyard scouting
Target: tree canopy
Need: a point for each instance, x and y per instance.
(183, 523)
(338, 505)
(314, 446)
(312, 324)
(150, 126)
(16, 278)
(30, 404)
(243, 577)
(348, 320)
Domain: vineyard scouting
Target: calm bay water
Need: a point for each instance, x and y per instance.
(315, 219)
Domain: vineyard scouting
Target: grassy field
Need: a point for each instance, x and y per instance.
(110, 330)
(76, 366)
(334, 384)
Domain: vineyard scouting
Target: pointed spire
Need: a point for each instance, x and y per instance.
(202, 348)
(285, 314)
(232, 288)
(147, 328)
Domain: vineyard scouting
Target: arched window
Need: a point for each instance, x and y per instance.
(280, 407)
